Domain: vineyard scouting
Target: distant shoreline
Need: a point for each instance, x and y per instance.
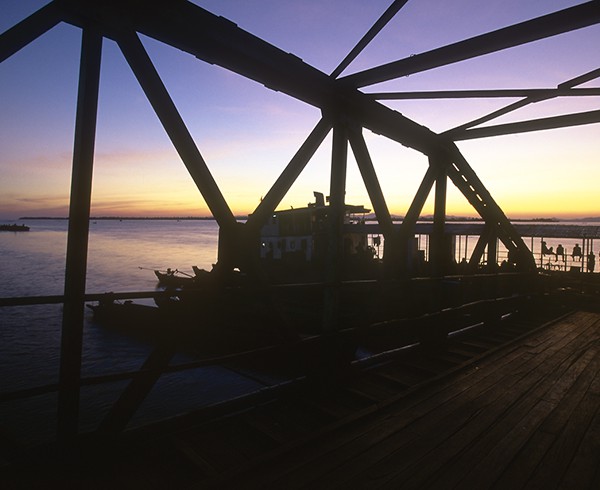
(123, 218)
(369, 218)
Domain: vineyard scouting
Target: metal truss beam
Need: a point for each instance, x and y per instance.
(335, 222)
(412, 215)
(369, 176)
(174, 125)
(555, 122)
(77, 238)
(28, 30)
(220, 42)
(407, 228)
(586, 77)
(439, 253)
(388, 15)
(134, 394)
(480, 94)
(479, 249)
(549, 25)
(466, 180)
(280, 188)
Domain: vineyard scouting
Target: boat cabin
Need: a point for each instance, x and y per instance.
(301, 234)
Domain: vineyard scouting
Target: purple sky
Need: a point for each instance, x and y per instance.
(248, 133)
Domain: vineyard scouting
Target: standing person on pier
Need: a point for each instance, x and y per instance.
(591, 261)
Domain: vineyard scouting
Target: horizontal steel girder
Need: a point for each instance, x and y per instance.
(566, 20)
(563, 121)
(569, 84)
(479, 94)
(218, 41)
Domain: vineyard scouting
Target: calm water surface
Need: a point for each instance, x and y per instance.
(122, 256)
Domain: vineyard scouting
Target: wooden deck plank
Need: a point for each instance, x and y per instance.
(483, 344)
(385, 385)
(567, 413)
(508, 419)
(478, 444)
(484, 408)
(584, 470)
(453, 357)
(352, 455)
(211, 446)
(193, 457)
(403, 377)
(366, 387)
(416, 418)
(463, 420)
(464, 350)
(565, 447)
(268, 426)
(518, 425)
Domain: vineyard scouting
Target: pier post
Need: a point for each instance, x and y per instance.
(77, 241)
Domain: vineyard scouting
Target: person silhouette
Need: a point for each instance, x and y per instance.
(591, 261)
(576, 253)
(560, 252)
(545, 250)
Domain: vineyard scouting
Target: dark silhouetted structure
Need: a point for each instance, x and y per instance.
(346, 111)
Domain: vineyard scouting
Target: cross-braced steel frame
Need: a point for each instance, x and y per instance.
(345, 111)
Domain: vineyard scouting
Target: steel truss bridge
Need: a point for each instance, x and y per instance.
(345, 109)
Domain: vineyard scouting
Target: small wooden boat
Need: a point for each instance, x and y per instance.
(14, 227)
(175, 278)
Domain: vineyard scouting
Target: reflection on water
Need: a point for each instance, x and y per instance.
(122, 254)
(121, 257)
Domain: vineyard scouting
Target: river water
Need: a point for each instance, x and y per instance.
(122, 256)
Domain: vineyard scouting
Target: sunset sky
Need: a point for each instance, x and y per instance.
(248, 133)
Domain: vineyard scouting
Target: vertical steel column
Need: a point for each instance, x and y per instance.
(335, 220)
(77, 242)
(438, 237)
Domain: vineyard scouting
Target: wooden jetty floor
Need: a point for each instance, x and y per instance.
(526, 417)
(486, 411)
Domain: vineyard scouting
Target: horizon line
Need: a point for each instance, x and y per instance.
(369, 218)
